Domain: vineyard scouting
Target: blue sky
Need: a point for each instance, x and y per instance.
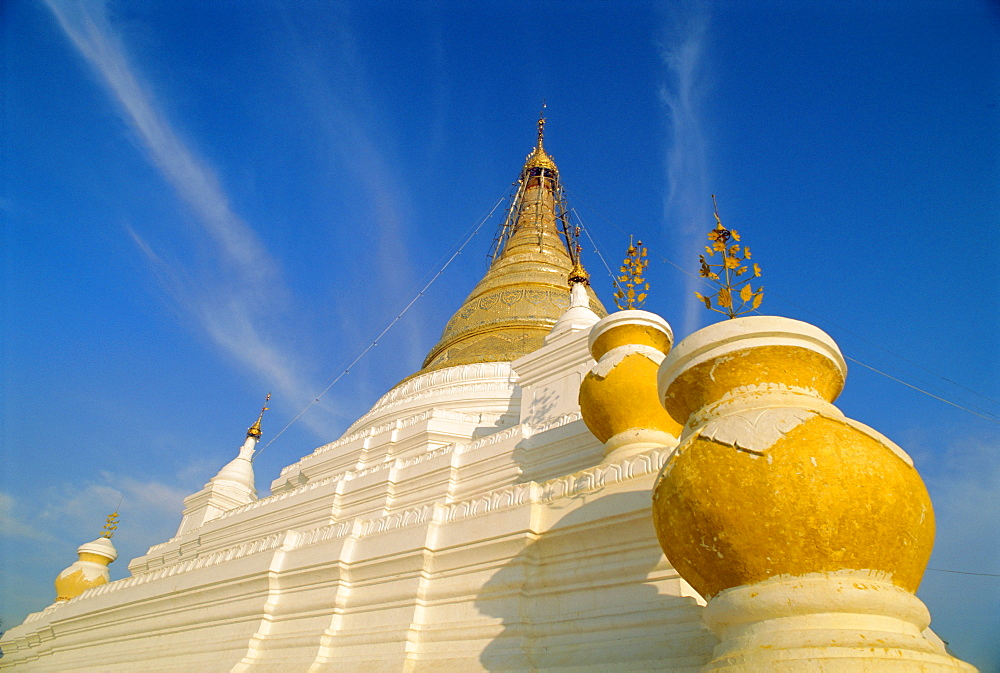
(203, 202)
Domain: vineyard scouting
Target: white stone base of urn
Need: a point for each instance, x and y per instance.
(838, 621)
(634, 441)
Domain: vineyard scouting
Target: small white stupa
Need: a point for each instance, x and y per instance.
(231, 487)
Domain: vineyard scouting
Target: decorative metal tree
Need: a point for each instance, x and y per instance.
(727, 273)
(631, 286)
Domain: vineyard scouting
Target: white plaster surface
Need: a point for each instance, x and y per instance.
(465, 523)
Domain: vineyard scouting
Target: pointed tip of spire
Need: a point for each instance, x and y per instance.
(539, 158)
(254, 430)
(541, 125)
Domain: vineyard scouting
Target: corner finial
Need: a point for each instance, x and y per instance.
(731, 288)
(254, 430)
(110, 525)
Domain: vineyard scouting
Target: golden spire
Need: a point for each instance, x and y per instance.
(254, 430)
(110, 525)
(578, 274)
(541, 125)
(525, 291)
(731, 289)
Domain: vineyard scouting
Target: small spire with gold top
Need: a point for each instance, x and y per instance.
(254, 430)
(578, 275)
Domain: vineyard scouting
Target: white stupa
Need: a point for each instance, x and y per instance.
(474, 519)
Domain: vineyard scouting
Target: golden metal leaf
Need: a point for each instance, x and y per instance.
(725, 298)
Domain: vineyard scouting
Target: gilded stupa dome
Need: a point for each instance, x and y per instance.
(527, 286)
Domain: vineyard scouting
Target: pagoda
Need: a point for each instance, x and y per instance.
(556, 489)
(468, 521)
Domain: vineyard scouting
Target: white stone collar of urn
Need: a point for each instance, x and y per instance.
(728, 336)
(102, 546)
(629, 317)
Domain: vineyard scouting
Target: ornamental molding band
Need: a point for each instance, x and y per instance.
(431, 383)
(520, 432)
(527, 493)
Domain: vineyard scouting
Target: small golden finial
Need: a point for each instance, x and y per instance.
(254, 430)
(632, 268)
(578, 274)
(110, 525)
(732, 267)
(538, 158)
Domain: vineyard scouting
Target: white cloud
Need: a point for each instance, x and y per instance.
(687, 206)
(149, 509)
(13, 524)
(231, 300)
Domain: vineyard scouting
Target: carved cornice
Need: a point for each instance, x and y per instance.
(431, 382)
(502, 498)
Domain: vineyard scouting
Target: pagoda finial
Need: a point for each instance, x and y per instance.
(578, 274)
(110, 525)
(541, 124)
(254, 430)
(538, 157)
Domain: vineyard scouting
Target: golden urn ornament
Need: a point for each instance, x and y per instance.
(807, 531)
(91, 568)
(618, 397)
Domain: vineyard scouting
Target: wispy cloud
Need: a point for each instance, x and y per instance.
(14, 524)
(687, 206)
(228, 303)
(339, 103)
